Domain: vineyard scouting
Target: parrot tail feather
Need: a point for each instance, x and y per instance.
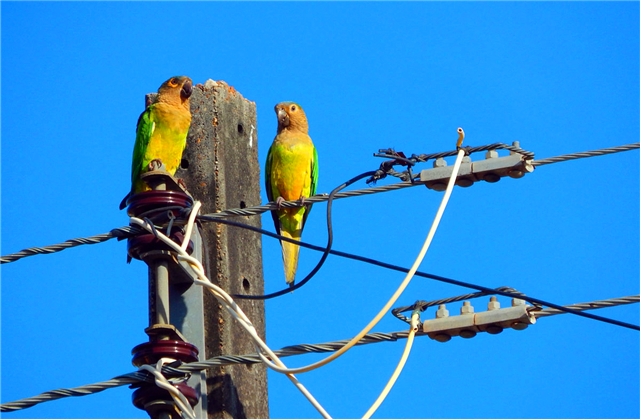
(290, 254)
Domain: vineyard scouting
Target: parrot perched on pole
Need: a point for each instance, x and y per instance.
(291, 173)
(161, 134)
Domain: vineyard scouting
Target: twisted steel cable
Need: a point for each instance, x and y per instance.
(589, 306)
(586, 154)
(129, 231)
(137, 377)
(471, 150)
(311, 200)
(300, 349)
(120, 233)
(121, 380)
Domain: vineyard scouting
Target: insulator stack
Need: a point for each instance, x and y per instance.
(163, 206)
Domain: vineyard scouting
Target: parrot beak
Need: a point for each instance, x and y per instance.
(283, 117)
(187, 89)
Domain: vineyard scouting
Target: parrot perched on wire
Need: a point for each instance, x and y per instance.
(291, 173)
(161, 135)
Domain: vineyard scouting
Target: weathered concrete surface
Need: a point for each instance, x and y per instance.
(220, 168)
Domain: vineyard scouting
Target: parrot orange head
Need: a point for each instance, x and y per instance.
(177, 91)
(291, 117)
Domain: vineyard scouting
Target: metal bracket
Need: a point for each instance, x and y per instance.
(468, 324)
(164, 331)
(160, 179)
(491, 170)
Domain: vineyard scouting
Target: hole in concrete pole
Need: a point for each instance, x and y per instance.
(246, 285)
(240, 128)
(184, 164)
(243, 205)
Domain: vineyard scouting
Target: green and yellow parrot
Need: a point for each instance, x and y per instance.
(161, 135)
(291, 173)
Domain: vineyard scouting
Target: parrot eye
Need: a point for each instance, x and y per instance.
(172, 83)
(293, 108)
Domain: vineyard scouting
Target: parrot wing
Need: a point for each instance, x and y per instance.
(314, 184)
(145, 128)
(269, 188)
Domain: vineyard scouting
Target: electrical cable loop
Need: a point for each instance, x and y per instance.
(326, 250)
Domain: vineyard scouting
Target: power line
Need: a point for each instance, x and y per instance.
(586, 154)
(119, 233)
(136, 377)
(504, 291)
(386, 168)
(589, 306)
(121, 380)
(292, 350)
(470, 150)
(311, 200)
(128, 231)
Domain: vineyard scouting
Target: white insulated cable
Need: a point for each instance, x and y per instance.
(398, 370)
(401, 288)
(180, 400)
(227, 302)
(239, 315)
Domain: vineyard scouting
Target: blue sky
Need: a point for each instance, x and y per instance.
(559, 77)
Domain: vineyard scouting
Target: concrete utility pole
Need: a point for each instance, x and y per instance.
(220, 168)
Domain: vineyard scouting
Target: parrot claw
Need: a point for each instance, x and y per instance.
(156, 164)
(302, 198)
(279, 201)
